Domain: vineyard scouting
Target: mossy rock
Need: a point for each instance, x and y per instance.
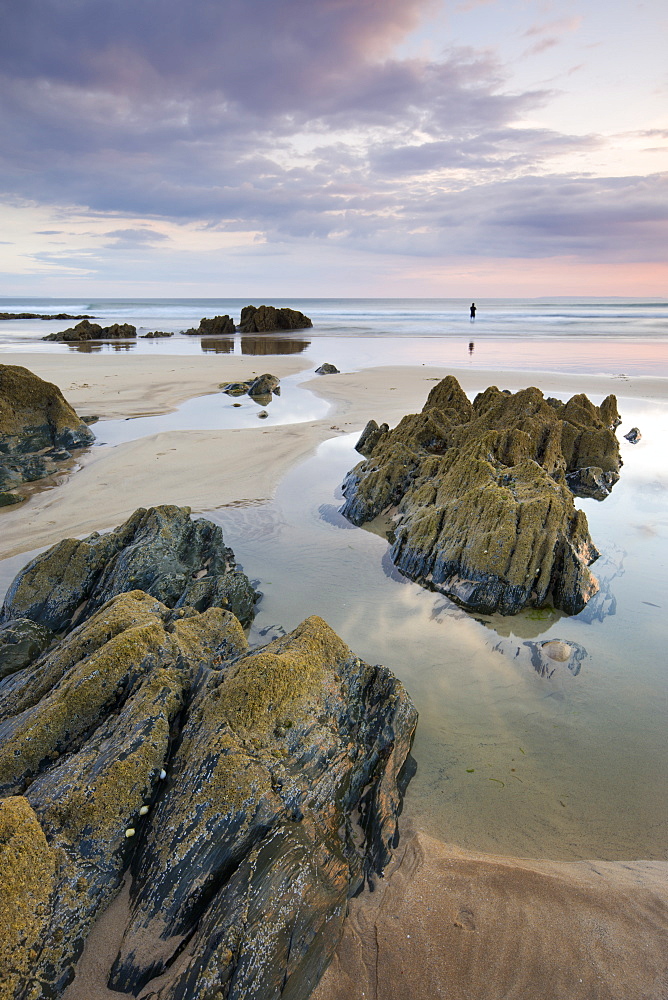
(482, 494)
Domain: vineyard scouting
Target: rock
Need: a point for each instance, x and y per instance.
(263, 414)
(7, 499)
(27, 315)
(37, 426)
(93, 331)
(235, 388)
(263, 786)
(264, 385)
(327, 369)
(277, 753)
(266, 319)
(156, 333)
(480, 498)
(633, 435)
(217, 326)
(21, 641)
(546, 657)
(160, 550)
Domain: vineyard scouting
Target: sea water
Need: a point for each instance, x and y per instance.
(571, 762)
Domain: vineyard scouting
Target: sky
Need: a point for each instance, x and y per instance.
(317, 148)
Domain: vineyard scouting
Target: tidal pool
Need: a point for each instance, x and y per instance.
(517, 753)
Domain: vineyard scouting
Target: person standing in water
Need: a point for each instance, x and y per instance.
(473, 310)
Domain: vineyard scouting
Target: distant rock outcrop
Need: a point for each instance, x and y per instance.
(28, 315)
(480, 494)
(93, 331)
(38, 428)
(249, 792)
(267, 319)
(216, 326)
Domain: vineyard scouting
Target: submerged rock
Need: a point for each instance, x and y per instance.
(38, 427)
(267, 319)
(327, 369)
(86, 330)
(480, 494)
(633, 435)
(283, 785)
(160, 550)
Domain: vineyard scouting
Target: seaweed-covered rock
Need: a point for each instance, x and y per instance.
(38, 427)
(480, 494)
(85, 330)
(217, 326)
(249, 793)
(327, 369)
(159, 550)
(264, 385)
(21, 641)
(267, 319)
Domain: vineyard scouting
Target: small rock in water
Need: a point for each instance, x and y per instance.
(130, 832)
(557, 650)
(262, 414)
(327, 369)
(633, 435)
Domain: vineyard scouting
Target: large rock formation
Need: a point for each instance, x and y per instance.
(160, 551)
(93, 331)
(38, 427)
(482, 494)
(266, 319)
(249, 792)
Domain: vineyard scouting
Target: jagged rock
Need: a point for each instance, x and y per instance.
(327, 369)
(266, 319)
(38, 427)
(591, 482)
(219, 326)
(159, 550)
(264, 385)
(633, 435)
(93, 331)
(156, 333)
(480, 498)
(21, 641)
(85, 735)
(284, 783)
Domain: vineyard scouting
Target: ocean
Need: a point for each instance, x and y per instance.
(513, 758)
(621, 336)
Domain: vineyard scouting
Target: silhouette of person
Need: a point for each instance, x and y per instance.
(473, 310)
(471, 346)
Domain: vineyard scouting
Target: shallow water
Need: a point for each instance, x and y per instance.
(516, 753)
(570, 763)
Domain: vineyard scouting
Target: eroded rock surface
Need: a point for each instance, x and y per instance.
(248, 791)
(85, 330)
(160, 550)
(267, 319)
(217, 326)
(38, 427)
(482, 494)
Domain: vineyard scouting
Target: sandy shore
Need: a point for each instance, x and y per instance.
(210, 469)
(444, 923)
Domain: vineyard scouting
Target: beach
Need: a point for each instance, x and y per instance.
(460, 914)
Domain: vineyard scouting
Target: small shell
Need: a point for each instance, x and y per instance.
(130, 832)
(163, 774)
(143, 810)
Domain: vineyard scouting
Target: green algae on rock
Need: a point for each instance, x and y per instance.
(482, 494)
(159, 550)
(262, 787)
(38, 428)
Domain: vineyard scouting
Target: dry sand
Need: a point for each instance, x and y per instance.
(444, 923)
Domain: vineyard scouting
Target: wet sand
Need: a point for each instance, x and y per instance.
(445, 922)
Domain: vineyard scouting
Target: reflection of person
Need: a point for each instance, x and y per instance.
(471, 346)
(473, 310)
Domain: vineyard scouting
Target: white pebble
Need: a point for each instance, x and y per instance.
(143, 810)
(163, 774)
(130, 832)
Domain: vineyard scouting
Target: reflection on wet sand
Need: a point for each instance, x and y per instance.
(218, 345)
(273, 345)
(93, 346)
